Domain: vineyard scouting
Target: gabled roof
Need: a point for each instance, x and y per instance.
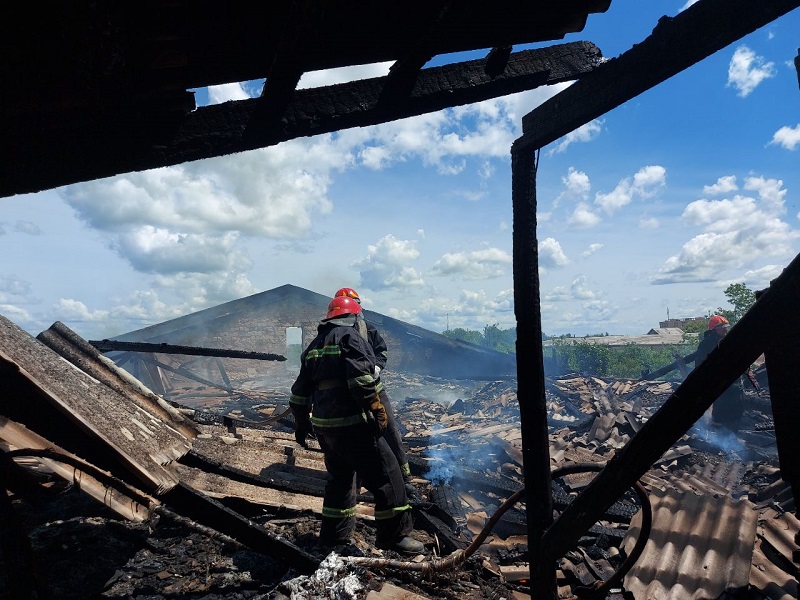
(446, 357)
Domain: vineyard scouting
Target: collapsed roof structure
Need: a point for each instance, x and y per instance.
(106, 90)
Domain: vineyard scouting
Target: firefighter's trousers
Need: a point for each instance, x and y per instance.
(355, 451)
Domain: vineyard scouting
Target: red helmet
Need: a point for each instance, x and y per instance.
(716, 321)
(342, 305)
(349, 293)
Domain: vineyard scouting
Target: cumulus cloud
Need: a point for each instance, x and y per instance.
(576, 186)
(551, 255)
(646, 183)
(747, 70)
(735, 232)
(723, 185)
(787, 137)
(648, 223)
(154, 250)
(386, 265)
(584, 133)
(217, 94)
(479, 264)
(591, 249)
(579, 289)
(583, 217)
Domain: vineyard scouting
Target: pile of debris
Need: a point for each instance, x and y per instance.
(114, 492)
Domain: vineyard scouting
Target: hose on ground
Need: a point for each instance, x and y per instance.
(460, 556)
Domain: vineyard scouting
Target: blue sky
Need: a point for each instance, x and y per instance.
(656, 207)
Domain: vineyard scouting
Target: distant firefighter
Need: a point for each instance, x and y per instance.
(728, 409)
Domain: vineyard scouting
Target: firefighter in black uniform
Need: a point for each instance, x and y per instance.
(335, 396)
(728, 409)
(393, 436)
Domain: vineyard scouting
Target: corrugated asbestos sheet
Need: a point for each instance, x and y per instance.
(142, 441)
(699, 547)
(776, 533)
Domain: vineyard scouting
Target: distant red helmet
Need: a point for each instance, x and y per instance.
(716, 321)
(349, 293)
(342, 305)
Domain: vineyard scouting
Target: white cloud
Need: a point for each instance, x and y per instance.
(688, 4)
(585, 133)
(386, 264)
(583, 217)
(646, 183)
(480, 264)
(325, 77)
(747, 70)
(576, 185)
(723, 185)
(788, 137)
(591, 249)
(735, 233)
(217, 94)
(648, 223)
(551, 254)
(154, 250)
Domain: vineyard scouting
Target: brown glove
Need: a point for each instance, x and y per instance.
(379, 412)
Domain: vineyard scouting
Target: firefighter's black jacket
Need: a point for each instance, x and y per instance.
(336, 383)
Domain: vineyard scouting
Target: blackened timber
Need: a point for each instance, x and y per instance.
(355, 104)
(530, 371)
(754, 333)
(111, 346)
(676, 44)
(207, 511)
(782, 360)
(689, 358)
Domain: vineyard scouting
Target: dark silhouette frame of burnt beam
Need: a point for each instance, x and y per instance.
(129, 145)
(676, 44)
(112, 346)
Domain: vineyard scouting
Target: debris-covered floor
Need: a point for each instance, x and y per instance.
(722, 518)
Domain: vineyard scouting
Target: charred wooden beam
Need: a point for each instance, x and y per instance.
(15, 546)
(676, 364)
(530, 371)
(355, 104)
(757, 331)
(496, 60)
(676, 44)
(218, 130)
(113, 345)
(207, 511)
(782, 356)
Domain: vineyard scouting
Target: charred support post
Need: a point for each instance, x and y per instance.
(757, 331)
(530, 372)
(782, 355)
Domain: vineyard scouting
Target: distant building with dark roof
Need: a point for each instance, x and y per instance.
(264, 322)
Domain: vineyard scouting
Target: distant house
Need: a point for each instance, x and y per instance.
(282, 321)
(680, 323)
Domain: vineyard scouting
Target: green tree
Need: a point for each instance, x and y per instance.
(502, 340)
(741, 298)
(465, 335)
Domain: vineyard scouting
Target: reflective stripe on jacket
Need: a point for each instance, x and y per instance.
(337, 354)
